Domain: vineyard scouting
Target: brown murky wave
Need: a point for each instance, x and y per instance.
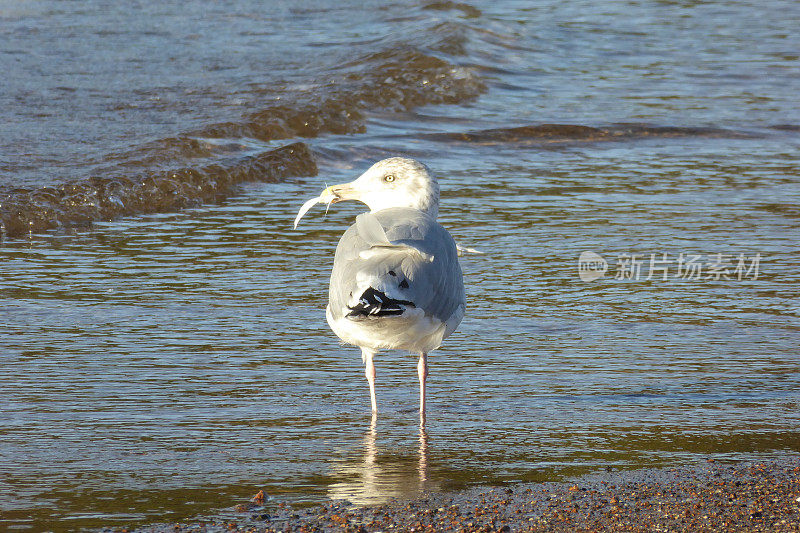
(206, 163)
(78, 203)
(399, 79)
(82, 202)
(559, 133)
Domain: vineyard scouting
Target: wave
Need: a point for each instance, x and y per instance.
(205, 163)
(565, 133)
(397, 79)
(82, 202)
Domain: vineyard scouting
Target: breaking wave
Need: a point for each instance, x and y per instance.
(397, 79)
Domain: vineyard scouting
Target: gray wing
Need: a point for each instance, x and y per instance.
(392, 260)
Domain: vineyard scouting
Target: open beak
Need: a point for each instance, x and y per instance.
(338, 193)
(331, 195)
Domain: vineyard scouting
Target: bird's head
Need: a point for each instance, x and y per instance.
(393, 182)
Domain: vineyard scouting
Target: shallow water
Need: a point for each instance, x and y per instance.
(167, 365)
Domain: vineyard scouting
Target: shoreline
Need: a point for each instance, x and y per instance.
(743, 496)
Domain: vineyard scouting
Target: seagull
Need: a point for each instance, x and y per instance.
(396, 283)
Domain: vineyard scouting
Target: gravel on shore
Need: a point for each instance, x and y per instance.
(712, 497)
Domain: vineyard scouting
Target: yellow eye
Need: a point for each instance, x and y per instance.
(389, 178)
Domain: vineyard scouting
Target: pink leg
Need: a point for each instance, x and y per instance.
(369, 371)
(422, 371)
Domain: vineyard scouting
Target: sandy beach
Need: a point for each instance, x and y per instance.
(754, 496)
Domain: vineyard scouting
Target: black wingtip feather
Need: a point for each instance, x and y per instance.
(374, 303)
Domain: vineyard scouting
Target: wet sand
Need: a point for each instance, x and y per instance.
(712, 497)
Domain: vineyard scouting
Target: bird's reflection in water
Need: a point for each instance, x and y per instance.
(381, 474)
(422, 465)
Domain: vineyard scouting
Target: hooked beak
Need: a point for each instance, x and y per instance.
(331, 195)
